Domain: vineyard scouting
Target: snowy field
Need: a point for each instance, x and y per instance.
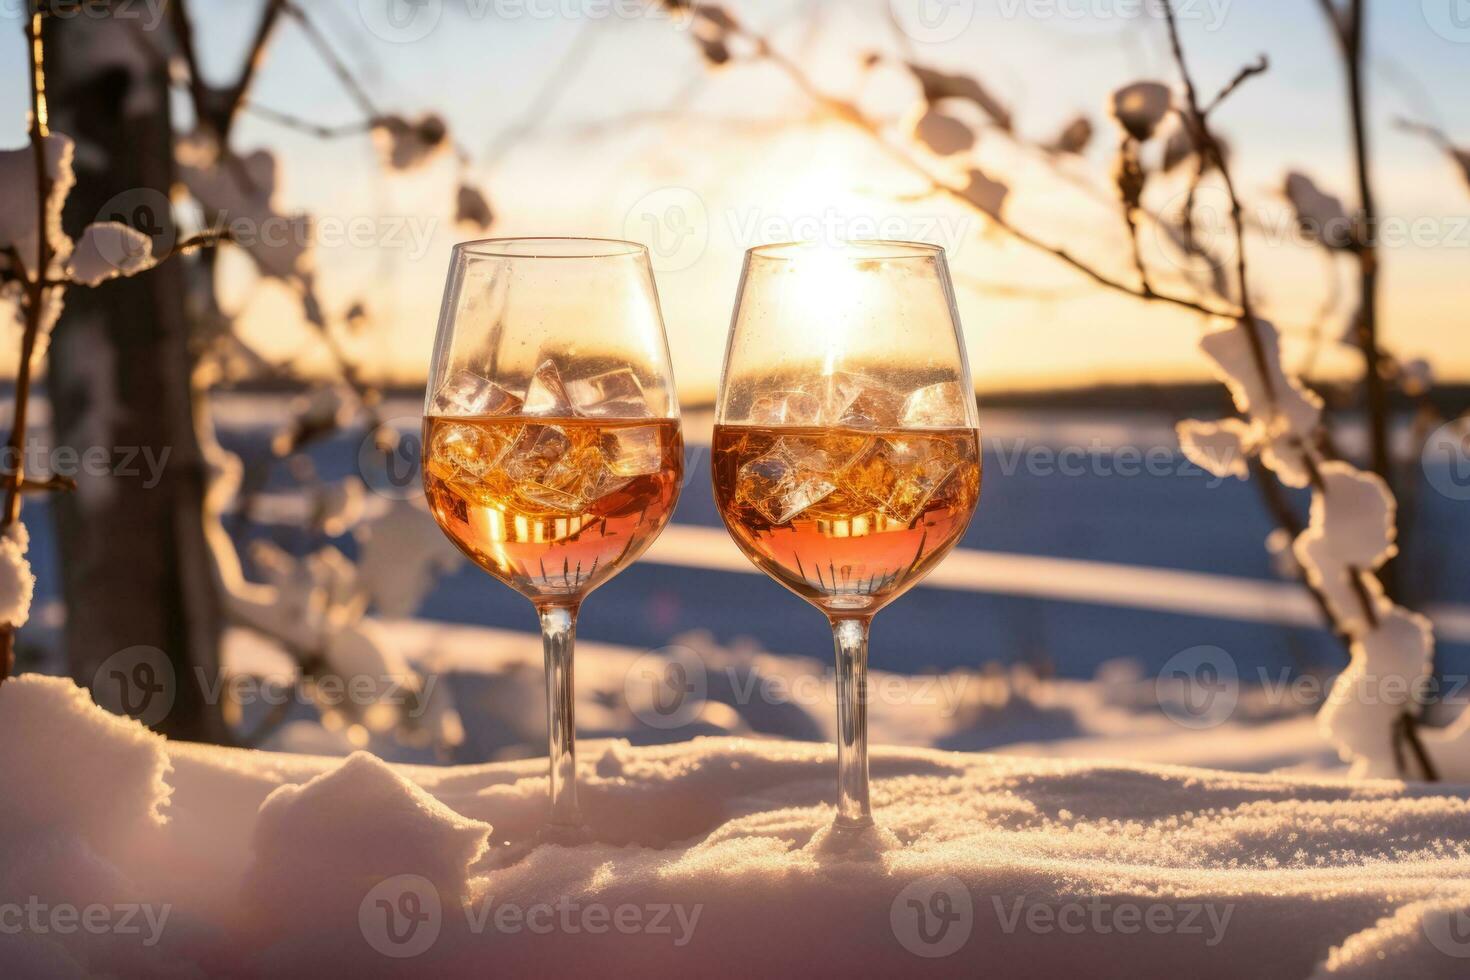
(1060, 777)
(141, 858)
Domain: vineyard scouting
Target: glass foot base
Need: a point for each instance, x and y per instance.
(867, 842)
(565, 835)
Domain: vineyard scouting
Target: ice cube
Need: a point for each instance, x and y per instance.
(898, 476)
(600, 482)
(935, 406)
(860, 401)
(634, 451)
(571, 483)
(466, 393)
(464, 450)
(546, 394)
(535, 450)
(786, 408)
(557, 484)
(778, 486)
(831, 456)
(614, 394)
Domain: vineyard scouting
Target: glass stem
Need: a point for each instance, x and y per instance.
(558, 636)
(850, 636)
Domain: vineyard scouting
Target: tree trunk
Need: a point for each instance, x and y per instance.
(141, 602)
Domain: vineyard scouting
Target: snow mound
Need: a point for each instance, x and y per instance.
(72, 768)
(321, 846)
(714, 858)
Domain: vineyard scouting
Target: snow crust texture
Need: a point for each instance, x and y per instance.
(710, 858)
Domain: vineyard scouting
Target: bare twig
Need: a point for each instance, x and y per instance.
(1209, 150)
(333, 60)
(34, 300)
(1347, 25)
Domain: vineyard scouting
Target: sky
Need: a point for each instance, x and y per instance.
(595, 117)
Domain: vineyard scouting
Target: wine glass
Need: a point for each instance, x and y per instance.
(553, 455)
(846, 450)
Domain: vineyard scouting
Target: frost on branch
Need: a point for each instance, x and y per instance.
(1283, 415)
(1320, 215)
(986, 194)
(1219, 448)
(109, 249)
(1140, 107)
(18, 205)
(938, 85)
(1351, 531)
(240, 190)
(472, 209)
(1074, 137)
(409, 144)
(1382, 682)
(17, 583)
(942, 133)
(399, 557)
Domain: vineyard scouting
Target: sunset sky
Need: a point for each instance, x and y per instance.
(598, 126)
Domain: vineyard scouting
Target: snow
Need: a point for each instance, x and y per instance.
(17, 582)
(708, 858)
(109, 249)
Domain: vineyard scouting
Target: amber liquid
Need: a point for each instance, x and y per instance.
(874, 511)
(552, 507)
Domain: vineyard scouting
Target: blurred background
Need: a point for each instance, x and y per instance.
(252, 537)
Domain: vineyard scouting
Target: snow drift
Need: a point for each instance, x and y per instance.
(129, 855)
